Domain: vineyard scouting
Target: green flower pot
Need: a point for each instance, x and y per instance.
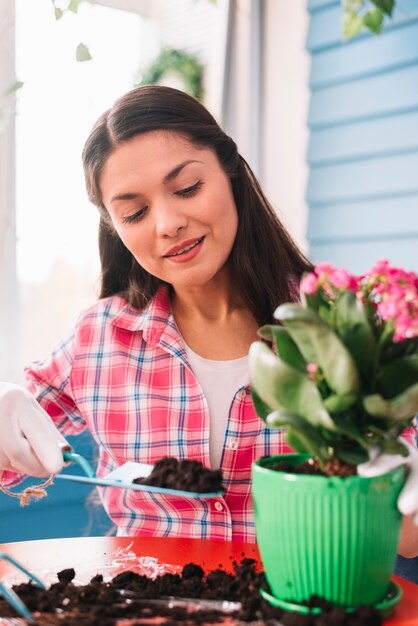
(333, 537)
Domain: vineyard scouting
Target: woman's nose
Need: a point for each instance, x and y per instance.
(169, 220)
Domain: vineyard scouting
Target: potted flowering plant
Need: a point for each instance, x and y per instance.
(342, 379)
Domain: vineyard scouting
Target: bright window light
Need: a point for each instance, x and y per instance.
(61, 99)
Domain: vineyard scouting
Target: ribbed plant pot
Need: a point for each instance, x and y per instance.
(332, 537)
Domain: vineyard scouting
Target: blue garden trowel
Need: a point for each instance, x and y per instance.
(123, 477)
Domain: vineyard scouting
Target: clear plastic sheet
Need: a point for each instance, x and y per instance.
(120, 560)
(123, 559)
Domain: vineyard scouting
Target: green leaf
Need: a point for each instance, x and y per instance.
(348, 428)
(352, 5)
(352, 457)
(373, 20)
(397, 376)
(301, 435)
(319, 344)
(83, 53)
(337, 403)
(266, 332)
(73, 6)
(286, 347)
(18, 84)
(326, 315)
(58, 13)
(403, 406)
(285, 388)
(261, 408)
(386, 6)
(295, 441)
(393, 447)
(315, 300)
(355, 331)
(288, 313)
(352, 25)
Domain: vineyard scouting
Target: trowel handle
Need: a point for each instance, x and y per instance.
(72, 457)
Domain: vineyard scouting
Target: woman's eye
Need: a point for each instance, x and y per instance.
(135, 217)
(188, 192)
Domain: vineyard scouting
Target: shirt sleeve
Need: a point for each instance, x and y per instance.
(49, 382)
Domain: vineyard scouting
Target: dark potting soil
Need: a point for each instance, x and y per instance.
(186, 475)
(334, 467)
(103, 604)
(307, 467)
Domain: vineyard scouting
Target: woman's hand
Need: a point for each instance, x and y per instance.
(408, 498)
(29, 441)
(380, 464)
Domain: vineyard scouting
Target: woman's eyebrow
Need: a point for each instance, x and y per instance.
(176, 171)
(167, 179)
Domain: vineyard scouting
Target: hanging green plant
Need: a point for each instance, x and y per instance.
(368, 14)
(186, 65)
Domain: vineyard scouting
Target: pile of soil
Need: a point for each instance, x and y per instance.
(100, 603)
(186, 475)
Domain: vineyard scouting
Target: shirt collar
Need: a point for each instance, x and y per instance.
(152, 321)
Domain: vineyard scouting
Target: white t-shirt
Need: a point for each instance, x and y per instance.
(219, 380)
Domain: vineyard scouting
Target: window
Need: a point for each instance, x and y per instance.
(57, 258)
(56, 248)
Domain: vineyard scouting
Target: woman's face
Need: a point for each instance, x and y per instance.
(172, 205)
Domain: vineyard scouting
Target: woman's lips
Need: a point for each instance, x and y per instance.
(185, 252)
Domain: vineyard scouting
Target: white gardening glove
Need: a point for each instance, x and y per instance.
(380, 464)
(29, 441)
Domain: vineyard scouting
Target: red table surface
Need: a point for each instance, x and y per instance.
(57, 554)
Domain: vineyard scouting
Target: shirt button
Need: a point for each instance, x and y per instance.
(218, 506)
(233, 445)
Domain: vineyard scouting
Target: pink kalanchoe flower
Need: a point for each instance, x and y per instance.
(388, 309)
(354, 283)
(339, 278)
(323, 268)
(403, 327)
(380, 267)
(396, 292)
(309, 283)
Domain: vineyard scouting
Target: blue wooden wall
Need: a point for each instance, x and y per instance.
(69, 510)
(363, 148)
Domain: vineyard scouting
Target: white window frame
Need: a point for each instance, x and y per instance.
(9, 309)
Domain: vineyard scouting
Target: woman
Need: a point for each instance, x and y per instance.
(194, 260)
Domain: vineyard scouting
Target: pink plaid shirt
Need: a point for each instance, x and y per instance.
(124, 375)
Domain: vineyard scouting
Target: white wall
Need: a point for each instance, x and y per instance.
(286, 99)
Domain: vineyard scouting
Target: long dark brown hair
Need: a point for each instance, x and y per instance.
(265, 261)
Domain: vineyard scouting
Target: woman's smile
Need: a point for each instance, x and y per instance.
(185, 251)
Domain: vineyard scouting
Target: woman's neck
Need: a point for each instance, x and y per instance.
(214, 322)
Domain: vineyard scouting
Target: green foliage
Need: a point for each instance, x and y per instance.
(283, 387)
(319, 344)
(180, 62)
(71, 6)
(83, 53)
(18, 84)
(334, 378)
(369, 14)
(61, 8)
